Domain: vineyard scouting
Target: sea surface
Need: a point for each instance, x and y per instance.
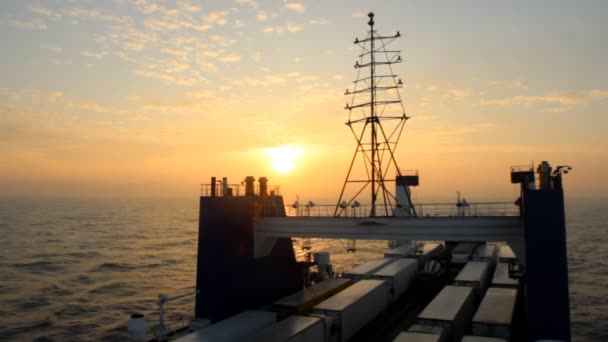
(74, 270)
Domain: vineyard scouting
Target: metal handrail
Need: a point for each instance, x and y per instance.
(161, 333)
(440, 209)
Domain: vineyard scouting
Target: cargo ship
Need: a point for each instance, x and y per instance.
(463, 272)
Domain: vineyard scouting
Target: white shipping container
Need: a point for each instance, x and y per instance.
(366, 269)
(350, 310)
(463, 252)
(501, 276)
(401, 251)
(236, 328)
(476, 274)
(398, 276)
(425, 252)
(293, 329)
(486, 252)
(452, 309)
(495, 313)
(417, 337)
(505, 254)
(302, 301)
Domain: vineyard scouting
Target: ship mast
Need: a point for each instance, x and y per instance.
(376, 109)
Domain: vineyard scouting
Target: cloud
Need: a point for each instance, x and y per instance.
(262, 16)
(92, 54)
(293, 27)
(320, 21)
(51, 48)
(251, 3)
(186, 6)
(566, 99)
(222, 41)
(216, 17)
(201, 94)
(295, 6)
(176, 66)
(210, 53)
(457, 94)
(290, 27)
(513, 84)
(133, 46)
(256, 57)
(307, 78)
(96, 14)
(275, 79)
(40, 10)
(357, 15)
(146, 6)
(169, 78)
(174, 52)
(205, 65)
(26, 25)
(231, 58)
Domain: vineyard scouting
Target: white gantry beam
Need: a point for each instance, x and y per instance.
(393, 228)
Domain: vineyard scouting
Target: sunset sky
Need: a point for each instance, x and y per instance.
(152, 98)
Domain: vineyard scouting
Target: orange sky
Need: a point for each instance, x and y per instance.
(152, 99)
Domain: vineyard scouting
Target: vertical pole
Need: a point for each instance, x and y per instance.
(373, 113)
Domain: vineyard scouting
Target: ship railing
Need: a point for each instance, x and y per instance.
(409, 172)
(325, 210)
(165, 328)
(467, 209)
(522, 168)
(236, 190)
(445, 209)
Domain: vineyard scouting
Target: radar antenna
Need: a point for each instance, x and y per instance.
(376, 119)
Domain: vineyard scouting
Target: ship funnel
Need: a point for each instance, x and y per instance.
(249, 186)
(263, 186)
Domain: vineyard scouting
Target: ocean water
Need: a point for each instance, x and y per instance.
(76, 269)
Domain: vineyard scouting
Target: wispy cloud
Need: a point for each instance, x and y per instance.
(41, 10)
(320, 21)
(183, 81)
(96, 14)
(217, 17)
(512, 84)
(262, 16)
(190, 7)
(295, 6)
(231, 58)
(251, 3)
(174, 52)
(256, 57)
(567, 98)
(51, 48)
(92, 54)
(25, 25)
(290, 27)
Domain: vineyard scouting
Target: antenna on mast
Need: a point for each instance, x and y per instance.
(376, 119)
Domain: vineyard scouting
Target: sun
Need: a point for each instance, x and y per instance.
(283, 158)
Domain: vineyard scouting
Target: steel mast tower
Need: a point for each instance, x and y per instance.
(376, 119)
